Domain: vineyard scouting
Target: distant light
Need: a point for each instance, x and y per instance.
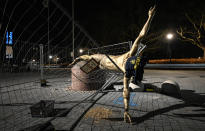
(170, 36)
(57, 58)
(50, 56)
(33, 60)
(81, 50)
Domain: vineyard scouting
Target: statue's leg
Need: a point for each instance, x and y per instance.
(126, 96)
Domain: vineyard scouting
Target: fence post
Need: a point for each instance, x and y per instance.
(42, 81)
(130, 44)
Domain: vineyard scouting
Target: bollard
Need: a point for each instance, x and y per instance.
(42, 81)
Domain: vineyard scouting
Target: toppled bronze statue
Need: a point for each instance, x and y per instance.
(118, 62)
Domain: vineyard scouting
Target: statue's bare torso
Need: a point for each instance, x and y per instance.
(119, 60)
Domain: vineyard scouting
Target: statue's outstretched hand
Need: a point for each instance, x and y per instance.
(152, 11)
(127, 117)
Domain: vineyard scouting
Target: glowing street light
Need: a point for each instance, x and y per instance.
(50, 56)
(81, 50)
(33, 60)
(169, 36)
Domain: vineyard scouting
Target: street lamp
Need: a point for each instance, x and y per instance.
(73, 29)
(57, 60)
(81, 51)
(169, 36)
(50, 56)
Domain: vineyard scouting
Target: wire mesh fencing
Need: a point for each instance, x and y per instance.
(25, 25)
(113, 49)
(24, 103)
(27, 105)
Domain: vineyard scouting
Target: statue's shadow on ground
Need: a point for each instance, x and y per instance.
(189, 98)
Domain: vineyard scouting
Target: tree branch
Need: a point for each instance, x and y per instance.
(181, 34)
(191, 21)
(201, 23)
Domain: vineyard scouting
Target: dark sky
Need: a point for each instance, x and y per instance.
(107, 19)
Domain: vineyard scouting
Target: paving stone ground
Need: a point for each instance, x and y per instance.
(150, 111)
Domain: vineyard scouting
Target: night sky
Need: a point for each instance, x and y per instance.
(112, 17)
(107, 22)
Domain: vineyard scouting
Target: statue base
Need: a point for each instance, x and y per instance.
(82, 81)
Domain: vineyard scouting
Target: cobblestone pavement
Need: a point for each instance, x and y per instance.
(104, 110)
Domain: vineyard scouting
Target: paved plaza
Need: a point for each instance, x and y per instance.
(91, 110)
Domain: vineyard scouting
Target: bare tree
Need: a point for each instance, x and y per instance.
(195, 34)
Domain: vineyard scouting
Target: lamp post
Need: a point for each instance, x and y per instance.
(73, 30)
(169, 37)
(50, 58)
(57, 59)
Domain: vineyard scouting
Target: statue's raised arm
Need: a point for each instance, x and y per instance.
(143, 32)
